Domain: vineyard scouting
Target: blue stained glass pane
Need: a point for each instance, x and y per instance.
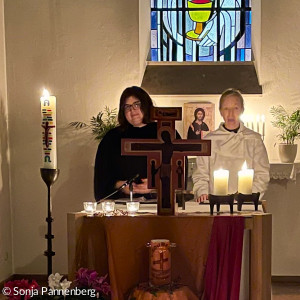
(238, 54)
(248, 17)
(232, 22)
(188, 57)
(207, 58)
(154, 20)
(154, 56)
(242, 54)
(248, 36)
(164, 53)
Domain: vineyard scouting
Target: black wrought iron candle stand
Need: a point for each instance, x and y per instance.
(49, 176)
(253, 198)
(218, 200)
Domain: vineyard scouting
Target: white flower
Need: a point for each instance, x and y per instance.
(54, 281)
(65, 284)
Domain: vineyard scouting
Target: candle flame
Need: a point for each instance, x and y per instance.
(244, 167)
(263, 118)
(257, 118)
(46, 94)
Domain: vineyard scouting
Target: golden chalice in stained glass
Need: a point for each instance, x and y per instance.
(198, 16)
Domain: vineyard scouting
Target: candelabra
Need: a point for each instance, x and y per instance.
(49, 176)
(218, 200)
(241, 198)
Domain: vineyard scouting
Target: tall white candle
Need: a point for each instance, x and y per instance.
(245, 180)
(252, 122)
(48, 111)
(257, 123)
(221, 182)
(263, 125)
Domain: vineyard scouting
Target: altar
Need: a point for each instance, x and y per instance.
(117, 245)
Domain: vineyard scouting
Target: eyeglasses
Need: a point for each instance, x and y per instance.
(134, 106)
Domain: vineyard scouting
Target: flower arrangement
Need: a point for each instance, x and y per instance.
(101, 124)
(20, 289)
(87, 285)
(86, 278)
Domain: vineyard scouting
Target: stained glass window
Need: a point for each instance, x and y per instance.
(201, 30)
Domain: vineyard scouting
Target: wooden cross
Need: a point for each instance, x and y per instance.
(165, 156)
(47, 128)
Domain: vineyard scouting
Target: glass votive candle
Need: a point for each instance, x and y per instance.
(90, 208)
(132, 207)
(108, 207)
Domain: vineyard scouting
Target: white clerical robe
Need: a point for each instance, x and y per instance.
(229, 151)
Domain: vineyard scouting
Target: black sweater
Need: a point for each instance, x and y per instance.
(110, 166)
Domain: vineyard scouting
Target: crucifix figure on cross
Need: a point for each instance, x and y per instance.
(47, 128)
(165, 156)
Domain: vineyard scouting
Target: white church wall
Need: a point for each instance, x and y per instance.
(85, 53)
(6, 268)
(144, 34)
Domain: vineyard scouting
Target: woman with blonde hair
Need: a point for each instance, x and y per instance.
(232, 145)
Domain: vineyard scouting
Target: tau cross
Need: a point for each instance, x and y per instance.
(165, 157)
(47, 128)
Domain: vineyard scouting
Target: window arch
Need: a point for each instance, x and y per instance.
(201, 30)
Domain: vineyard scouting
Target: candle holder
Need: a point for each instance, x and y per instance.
(90, 208)
(241, 198)
(218, 200)
(133, 207)
(49, 176)
(108, 207)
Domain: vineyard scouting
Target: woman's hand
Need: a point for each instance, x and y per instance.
(141, 188)
(125, 190)
(202, 198)
(138, 188)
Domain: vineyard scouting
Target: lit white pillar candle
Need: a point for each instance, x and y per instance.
(221, 182)
(48, 110)
(245, 180)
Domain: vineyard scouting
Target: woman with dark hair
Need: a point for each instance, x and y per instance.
(198, 125)
(112, 169)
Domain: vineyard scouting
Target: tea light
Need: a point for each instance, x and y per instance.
(90, 207)
(221, 182)
(108, 207)
(132, 206)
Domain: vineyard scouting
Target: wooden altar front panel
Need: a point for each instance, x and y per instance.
(260, 226)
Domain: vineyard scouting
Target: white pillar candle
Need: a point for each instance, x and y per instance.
(221, 182)
(263, 125)
(48, 110)
(257, 123)
(245, 180)
(252, 122)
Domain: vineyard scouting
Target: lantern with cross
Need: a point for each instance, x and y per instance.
(160, 262)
